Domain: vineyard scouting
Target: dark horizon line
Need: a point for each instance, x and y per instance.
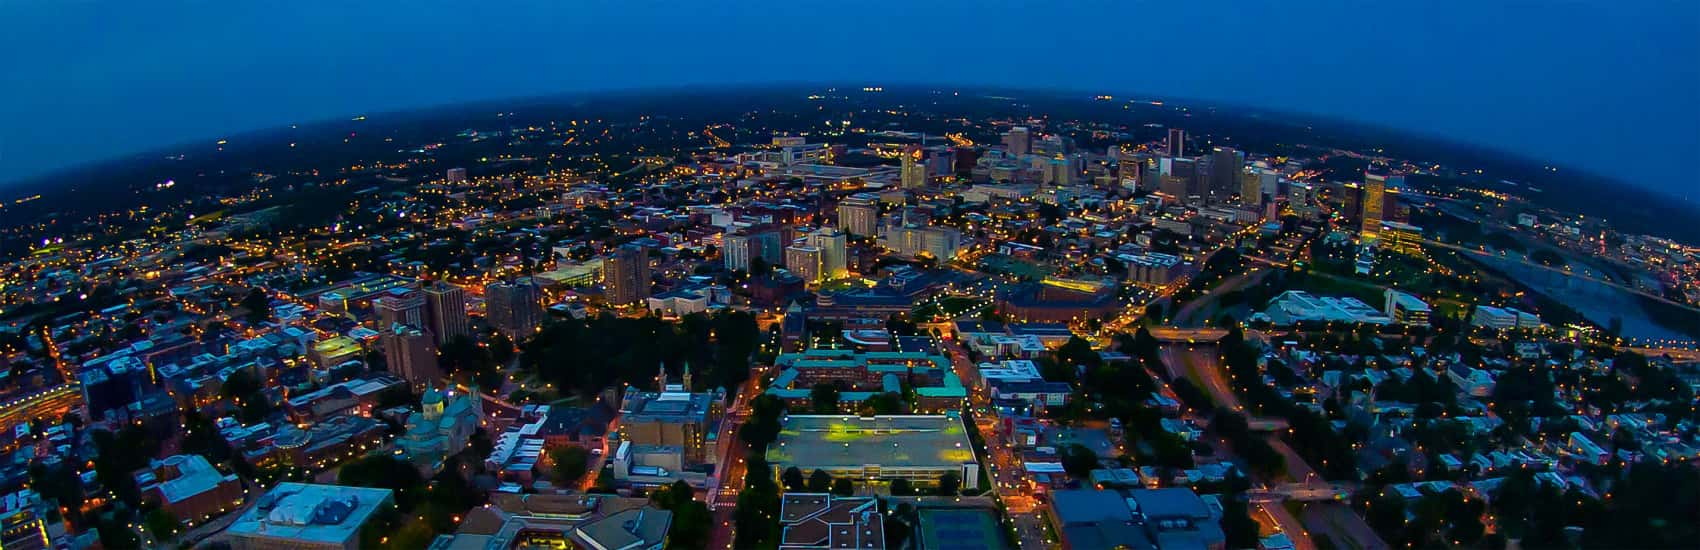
(34, 181)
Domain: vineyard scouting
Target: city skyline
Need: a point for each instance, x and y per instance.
(1496, 76)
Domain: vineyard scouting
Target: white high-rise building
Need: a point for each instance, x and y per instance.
(833, 253)
(736, 252)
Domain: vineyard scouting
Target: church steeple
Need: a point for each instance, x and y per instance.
(661, 377)
(687, 376)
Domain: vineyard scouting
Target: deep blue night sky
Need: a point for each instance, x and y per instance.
(1610, 86)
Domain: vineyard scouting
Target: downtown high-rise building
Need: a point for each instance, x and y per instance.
(515, 308)
(1180, 178)
(1374, 205)
(445, 311)
(1018, 141)
(914, 169)
(625, 275)
(1226, 166)
(1251, 188)
(1176, 145)
(410, 353)
(1130, 167)
(859, 216)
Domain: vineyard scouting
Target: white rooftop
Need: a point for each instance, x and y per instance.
(310, 512)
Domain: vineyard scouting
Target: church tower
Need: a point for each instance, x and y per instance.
(432, 403)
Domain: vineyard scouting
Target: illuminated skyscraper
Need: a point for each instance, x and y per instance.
(914, 169)
(1251, 188)
(1374, 201)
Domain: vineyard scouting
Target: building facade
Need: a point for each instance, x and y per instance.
(626, 275)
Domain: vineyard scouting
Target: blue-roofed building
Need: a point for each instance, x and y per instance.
(1154, 519)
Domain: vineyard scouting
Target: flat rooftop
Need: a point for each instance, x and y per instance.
(195, 476)
(959, 529)
(849, 441)
(310, 512)
(667, 406)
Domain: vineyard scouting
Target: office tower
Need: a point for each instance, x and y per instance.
(445, 311)
(1176, 145)
(626, 275)
(515, 308)
(1270, 182)
(859, 216)
(1374, 196)
(411, 354)
(941, 161)
(1129, 168)
(914, 172)
(804, 262)
(400, 306)
(736, 251)
(833, 254)
(1180, 178)
(1351, 196)
(1059, 170)
(1251, 188)
(455, 175)
(1226, 165)
(1298, 194)
(1018, 141)
(963, 159)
